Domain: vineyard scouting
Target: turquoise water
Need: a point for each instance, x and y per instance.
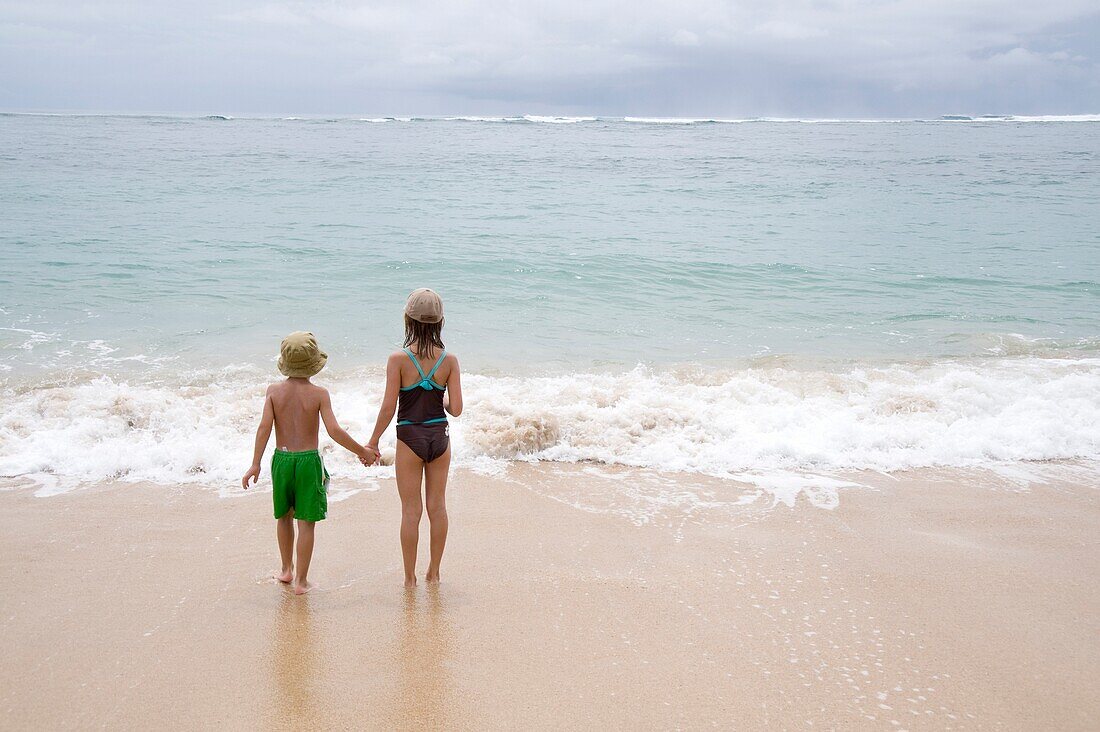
(177, 241)
(734, 299)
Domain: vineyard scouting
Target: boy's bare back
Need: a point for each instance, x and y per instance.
(297, 406)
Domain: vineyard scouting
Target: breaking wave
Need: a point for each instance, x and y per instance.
(712, 421)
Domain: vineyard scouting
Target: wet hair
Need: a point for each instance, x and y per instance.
(427, 336)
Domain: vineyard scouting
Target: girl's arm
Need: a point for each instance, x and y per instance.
(389, 399)
(263, 434)
(452, 400)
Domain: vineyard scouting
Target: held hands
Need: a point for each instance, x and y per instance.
(370, 455)
(253, 474)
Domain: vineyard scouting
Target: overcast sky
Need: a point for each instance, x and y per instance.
(845, 58)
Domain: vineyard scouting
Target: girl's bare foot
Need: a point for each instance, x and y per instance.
(410, 582)
(432, 576)
(301, 588)
(286, 576)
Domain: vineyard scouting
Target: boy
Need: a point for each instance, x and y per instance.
(298, 476)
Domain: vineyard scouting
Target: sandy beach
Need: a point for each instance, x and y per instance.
(949, 600)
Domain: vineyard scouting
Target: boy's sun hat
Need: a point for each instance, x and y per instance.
(299, 355)
(424, 306)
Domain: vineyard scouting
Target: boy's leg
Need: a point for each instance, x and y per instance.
(409, 469)
(435, 499)
(305, 553)
(282, 493)
(285, 532)
(310, 506)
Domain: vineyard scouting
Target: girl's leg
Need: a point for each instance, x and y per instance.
(305, 554)
(410, 470)
(435, 498)
(285, 531)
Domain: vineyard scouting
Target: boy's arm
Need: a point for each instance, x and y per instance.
(389, 399)
(263, 434)
(452, 400)
(336, 432)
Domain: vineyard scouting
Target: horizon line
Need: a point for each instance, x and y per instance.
(551, 118)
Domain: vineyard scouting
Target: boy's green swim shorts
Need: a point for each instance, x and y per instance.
(299, 481)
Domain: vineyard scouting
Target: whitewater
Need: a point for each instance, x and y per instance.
(689, 419)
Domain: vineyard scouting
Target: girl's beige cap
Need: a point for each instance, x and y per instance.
(424, 306)
(300, 355)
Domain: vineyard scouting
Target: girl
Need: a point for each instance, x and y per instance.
(422, 382)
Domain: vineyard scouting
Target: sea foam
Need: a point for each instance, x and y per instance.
(711, 421)
(557, 120)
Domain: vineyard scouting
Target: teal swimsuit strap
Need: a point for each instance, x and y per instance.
(426, 381)
(415, 363)
(436, 367)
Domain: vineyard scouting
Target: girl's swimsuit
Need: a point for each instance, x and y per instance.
(421, 421)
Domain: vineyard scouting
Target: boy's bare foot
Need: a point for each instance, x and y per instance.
(301, 588)
(286, 576)
(410, 582)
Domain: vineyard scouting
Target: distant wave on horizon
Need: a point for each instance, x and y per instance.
(571, 119)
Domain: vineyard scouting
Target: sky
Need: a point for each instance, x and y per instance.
(688, 58)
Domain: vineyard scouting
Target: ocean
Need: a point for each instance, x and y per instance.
(701, 296)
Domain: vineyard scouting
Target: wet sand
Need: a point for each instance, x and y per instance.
(571, 598)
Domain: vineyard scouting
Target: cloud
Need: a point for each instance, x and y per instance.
(708, 57)
(266, 15)
(786, 30)
(684, 37)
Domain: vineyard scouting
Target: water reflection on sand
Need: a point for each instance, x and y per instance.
(393, 671)
(423, 694)
(296, 657)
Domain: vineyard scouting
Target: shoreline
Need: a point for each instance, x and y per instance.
(935, 600)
